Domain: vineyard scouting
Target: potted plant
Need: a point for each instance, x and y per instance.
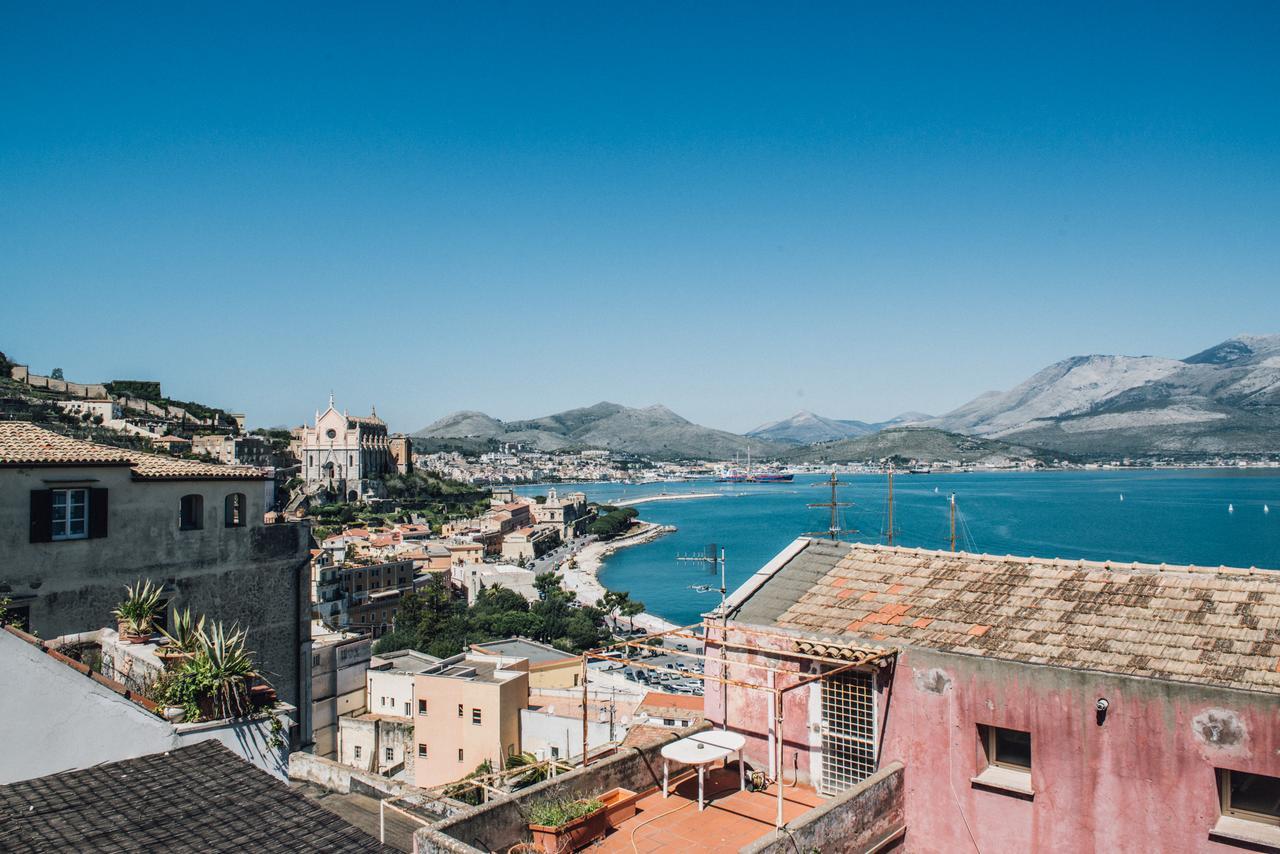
(135, 616)
(565, 825)
(225, 666)
(184, 640)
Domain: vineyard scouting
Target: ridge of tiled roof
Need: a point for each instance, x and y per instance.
(23, 444)
(198, 798)
(1217, 626)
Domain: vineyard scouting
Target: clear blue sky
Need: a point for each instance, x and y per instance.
(736, 210)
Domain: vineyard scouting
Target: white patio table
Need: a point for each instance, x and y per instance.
(701, 750)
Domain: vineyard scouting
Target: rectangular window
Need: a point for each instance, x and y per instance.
(459, 754)
(422, 707)
(460, 710)
(422, 750)
(555, 752)
(391, 754)
(406, 708)
(70, 514)
(475, 716)
(357, 751)
(1007, 748)
(1255, 797)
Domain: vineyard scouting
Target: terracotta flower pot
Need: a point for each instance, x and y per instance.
(573, 836)
(620, 804)
(129, 635)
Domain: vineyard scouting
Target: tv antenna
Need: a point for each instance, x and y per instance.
(834, 530)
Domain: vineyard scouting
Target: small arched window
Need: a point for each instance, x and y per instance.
(234, 515)
(191, 513)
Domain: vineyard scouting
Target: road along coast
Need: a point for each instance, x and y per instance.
(582, 577)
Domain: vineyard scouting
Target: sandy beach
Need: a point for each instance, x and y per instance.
(582, 579)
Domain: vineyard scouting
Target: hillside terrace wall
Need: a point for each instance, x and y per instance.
(22, 374)
(500, 823)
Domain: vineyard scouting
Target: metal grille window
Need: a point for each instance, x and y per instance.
(848, 730)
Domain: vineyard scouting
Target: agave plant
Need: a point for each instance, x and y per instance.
(226, 665)
(187, 634)
(137, 613)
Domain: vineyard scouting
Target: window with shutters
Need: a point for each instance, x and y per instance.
(70, 514)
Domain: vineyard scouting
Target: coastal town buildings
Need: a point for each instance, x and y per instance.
(549, 668)
(233, 450)
(1014, 703)
(568, 515)
(79, 521)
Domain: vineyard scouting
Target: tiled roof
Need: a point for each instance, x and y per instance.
(683, 702)
(201, 798)
(23, 444)
(1210, 626)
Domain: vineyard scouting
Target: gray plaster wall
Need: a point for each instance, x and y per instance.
(868, 817)
(256, 575)
(56, 718)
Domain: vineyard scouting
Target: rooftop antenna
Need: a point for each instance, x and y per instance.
(715, 559)
(834, 530)
(891, 504)
(952, 502)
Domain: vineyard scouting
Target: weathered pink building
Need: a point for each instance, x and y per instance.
(1037, 705)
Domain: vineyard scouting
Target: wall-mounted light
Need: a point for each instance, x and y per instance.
(1101, 707)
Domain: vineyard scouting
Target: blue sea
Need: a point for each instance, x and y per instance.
(1207, 517)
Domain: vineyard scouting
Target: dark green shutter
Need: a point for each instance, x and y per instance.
(97, 513)
(41, 515)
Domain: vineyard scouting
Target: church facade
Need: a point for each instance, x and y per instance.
(346, 455)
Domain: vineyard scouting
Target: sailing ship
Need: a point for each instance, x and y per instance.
(736, 475)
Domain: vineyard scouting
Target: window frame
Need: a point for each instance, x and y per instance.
(990, 742)
(65, 534)
(477, 717)
(390, 754)
(356, 751)
(422, 750)
(422, 707)
(1224, 800)
(195, 522)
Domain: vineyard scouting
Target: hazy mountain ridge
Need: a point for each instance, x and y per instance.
(653, 431)
(922, 444)
(807, 428)
(1223, 400)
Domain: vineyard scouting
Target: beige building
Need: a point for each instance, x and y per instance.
(339, 662)
(569, 514)
(379, 737)
(79, 521)
(345, 455)
(530, 543)
(466, 712)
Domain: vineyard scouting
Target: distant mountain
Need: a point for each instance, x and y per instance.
(1224, 400)
(653, 431)
(920, 444)
(806, 428)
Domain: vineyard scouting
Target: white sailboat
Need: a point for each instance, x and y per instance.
(1231, 508)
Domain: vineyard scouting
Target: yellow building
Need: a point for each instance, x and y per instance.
(548, 667)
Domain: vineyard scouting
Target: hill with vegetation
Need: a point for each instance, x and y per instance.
(905, 445)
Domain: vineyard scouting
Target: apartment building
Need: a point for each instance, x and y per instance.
(466, 712)
(79, 521)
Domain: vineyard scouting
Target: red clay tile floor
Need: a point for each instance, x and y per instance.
(731, 818)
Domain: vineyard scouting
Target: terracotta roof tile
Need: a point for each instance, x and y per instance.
(1213, 626)
(23, 444)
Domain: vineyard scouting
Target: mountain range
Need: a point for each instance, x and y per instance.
(653, 431)
(1222, 401)
(806, 428)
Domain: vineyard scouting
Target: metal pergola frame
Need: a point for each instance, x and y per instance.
(852, 657)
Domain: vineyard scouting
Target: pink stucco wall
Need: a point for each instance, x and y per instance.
(1144, 780)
